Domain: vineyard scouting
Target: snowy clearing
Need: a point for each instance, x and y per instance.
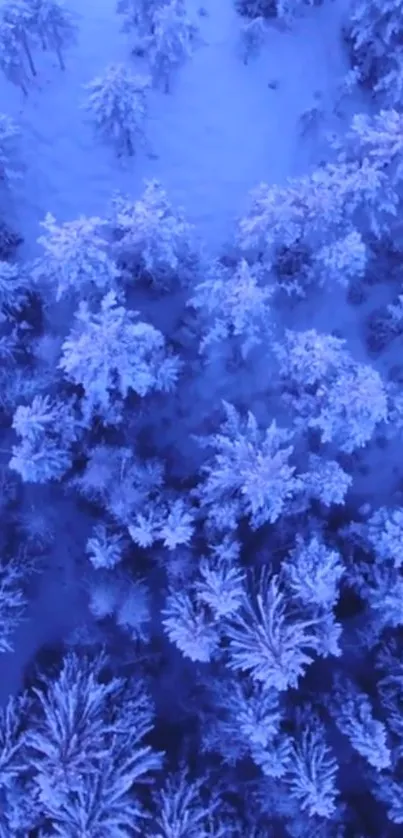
(221, 131)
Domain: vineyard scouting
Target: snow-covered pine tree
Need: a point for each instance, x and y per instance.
(244, 717)
(381, 587)
(190, 626)
(13, 287)
(120, 481)
(54, 24)
(12, 740)
(328, 390)
(10, 240)
(305, 232)
(12, 601)
(19, 15)
(374, 34)
(75, 258)
(116, 104)
(19, 811)
(313, 573)
(220, 586)
(252, 36)
(270, 638)
(104, 548)
(138, 15)
(378, 138)
(384, 532)
(172, 42)
(256, 8)
(283, 9)
(172, 522)
(87, 744)
(236, 306)
(109, 352)
(353, 714)
(152, 239)
(188, 808)
(10, 164)
(47, 431)
(249, 475)
(311, 772)
(11, 57)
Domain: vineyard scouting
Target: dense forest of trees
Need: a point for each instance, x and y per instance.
(238, 670)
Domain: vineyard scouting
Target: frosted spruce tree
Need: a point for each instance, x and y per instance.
(163, 519)
(13, 602)
(188, 807)
(312, 771)
(138, 15)
(273, 639)
(353, 714)
(12, 62)
(110, 353)
(104, 548)
(47, 429)
(328, 390)
(55, 26)
(121, 482)
(87, 747)
(75, 257)
(236, 305)
(116, 104)
(374, 34)
(245, 719)
(313, 573)
(19, 16)
(172, 42)
(305, 234)
(10, 161)
(284, 9)
(191, 627)
(14, 287)
(249, 474)
(19, 813)
(152, 240)
(378, 138)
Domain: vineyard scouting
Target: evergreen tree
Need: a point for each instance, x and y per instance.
(109, 353)
(47, 431)
(18, 14)
(54, 24)
(152, 239)
(116, 105)
(171, 43)
(75, 257)
(11, 57)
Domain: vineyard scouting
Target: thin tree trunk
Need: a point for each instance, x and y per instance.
(129, 144)
(60, 57)
(28, 54)
(58, 50)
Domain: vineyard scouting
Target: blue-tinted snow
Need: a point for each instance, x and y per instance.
(220, 132)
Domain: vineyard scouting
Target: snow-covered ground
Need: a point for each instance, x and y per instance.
(221, 131)
(224, 128)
